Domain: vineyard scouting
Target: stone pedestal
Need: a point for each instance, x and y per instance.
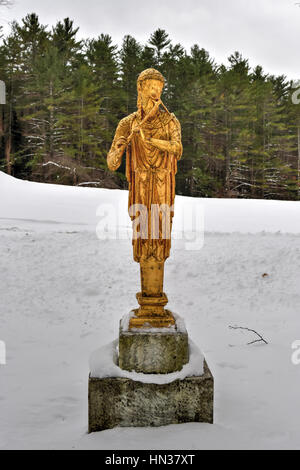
(159, 351)
(119, 401)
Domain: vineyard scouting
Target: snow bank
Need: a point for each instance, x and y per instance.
(62, 295)
(83, 208)
(103, 364)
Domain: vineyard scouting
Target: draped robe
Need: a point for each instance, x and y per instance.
(151, 176)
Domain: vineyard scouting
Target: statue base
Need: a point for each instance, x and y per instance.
(118, 401)
(152, 313)
(159, 399)
(157, 351)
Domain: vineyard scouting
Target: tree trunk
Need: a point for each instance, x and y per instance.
(9, 136)
(1, 123)
(51, 130)
(8, 154)
(227, 154)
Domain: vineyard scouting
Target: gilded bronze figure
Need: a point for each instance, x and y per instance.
(152, 137)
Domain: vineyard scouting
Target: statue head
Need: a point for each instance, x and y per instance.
(150, 85)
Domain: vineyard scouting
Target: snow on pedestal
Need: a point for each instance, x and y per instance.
(119, 397)
(104, 364)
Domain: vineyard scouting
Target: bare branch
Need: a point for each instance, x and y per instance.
(249, 329)
(56, 164)
(86, 183)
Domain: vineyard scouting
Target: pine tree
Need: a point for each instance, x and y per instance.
(14, 76)
(131, 67)
(159, 39)
(240, 127)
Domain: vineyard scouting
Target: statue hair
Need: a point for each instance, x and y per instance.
(148, 74)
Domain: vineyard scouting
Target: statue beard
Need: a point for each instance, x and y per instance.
(146, 105)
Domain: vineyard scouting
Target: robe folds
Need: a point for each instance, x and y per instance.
(151, 176)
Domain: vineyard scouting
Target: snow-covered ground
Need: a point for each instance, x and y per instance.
(63, 291)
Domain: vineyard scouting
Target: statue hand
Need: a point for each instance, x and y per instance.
(135, 127)
(160, 144)
(121, 144)
(155, 108)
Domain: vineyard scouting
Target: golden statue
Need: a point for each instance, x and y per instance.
(152, 137)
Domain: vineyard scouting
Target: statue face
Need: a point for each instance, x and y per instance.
(150, 90)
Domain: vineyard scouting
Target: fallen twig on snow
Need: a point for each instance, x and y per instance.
(249, 329)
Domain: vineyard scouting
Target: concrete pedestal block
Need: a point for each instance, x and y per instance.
(119, 401)
(153, 352)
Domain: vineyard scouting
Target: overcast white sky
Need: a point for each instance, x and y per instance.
(265, 31)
